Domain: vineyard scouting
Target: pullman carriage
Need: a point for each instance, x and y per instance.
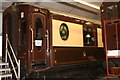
(44, 41)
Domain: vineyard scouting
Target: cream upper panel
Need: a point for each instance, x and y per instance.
(99, 35)
(75, 38)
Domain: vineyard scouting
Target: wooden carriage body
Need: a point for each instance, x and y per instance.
(43, 40)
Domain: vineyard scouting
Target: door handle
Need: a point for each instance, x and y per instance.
(47, 36)
(32, 39)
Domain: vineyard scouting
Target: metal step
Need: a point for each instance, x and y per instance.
(4, 69)
(6, 75)
(1, 64)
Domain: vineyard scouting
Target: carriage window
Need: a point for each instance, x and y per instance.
(23, 31)
(89, 36)
(112, 12)
(38, 34)
(64, 32)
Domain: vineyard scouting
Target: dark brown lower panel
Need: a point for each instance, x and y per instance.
(65, 55)
(83, 71)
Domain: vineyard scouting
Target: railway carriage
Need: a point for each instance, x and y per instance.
(47, 43)
(111, 21)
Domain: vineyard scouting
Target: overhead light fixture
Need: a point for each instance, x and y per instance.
(88, 4)
(88, 23)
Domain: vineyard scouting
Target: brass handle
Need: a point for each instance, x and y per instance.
(32, 39)
(47, 33)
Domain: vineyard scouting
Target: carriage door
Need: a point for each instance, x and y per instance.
(39, 41)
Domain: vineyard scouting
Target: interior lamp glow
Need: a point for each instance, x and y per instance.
(88, 4)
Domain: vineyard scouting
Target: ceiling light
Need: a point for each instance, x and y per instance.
(88, 23)
(88, 4)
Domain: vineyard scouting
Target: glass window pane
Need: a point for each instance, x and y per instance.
(112, 12)
(23, 31)
(38, 34)
(89, 36)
